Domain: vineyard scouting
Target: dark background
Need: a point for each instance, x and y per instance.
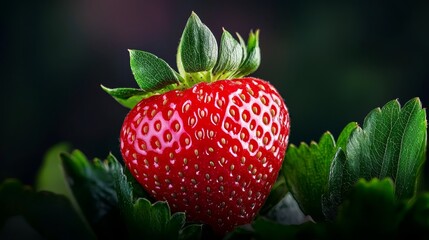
(333, 62)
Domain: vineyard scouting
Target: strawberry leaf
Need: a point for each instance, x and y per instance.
(371, 211)
(267, 229)
(339, 183)
(416, 219)
(306, 170)
(144, 219)
(51, 176)
(191, 232)
(150, 72)
(198, 49)
(51, 215)
(127, 97)
(92, 185)
(252, 57)
(391, 144)
(124, 93)
(230, 57)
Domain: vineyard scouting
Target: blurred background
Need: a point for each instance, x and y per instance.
(333, 62)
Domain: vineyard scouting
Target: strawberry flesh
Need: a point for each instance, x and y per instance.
(213, 151)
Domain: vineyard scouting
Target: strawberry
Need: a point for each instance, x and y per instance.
(207, 140)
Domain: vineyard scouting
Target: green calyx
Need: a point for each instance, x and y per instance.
(199, 59)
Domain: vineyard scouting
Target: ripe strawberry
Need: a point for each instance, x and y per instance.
(208, 146)
(213, 151)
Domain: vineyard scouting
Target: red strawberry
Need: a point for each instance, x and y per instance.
(213, 151)
(210, 147)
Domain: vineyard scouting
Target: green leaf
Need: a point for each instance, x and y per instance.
(371, 211)
(92, 185)
(151, 72)
(124, 93)
(124, 190)
(198, 49)
(240, 233)
(50, 214)
(391, 144)
(144, 219)
(129, 97)
(137, 190)
(250, 63)
(416, 219)
(267, 229)
(306, 170)
(243, 46)
(230, 56)
(158, 217)
(340, 182)
(345, 134)
(50, 176)
(191, 232)
(127, 188)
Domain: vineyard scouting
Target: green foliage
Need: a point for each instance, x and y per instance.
(127, 97)
(373, 210)
(338, 184)
(391, 144)
(230, 56)
(375, 198)
(251, 55)
(198, 60)
(416, 219)
(306, 169)
(150, 72)
(197, 48)
(51, 176)
(50, 214)
(266, 229)
(92, 185)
